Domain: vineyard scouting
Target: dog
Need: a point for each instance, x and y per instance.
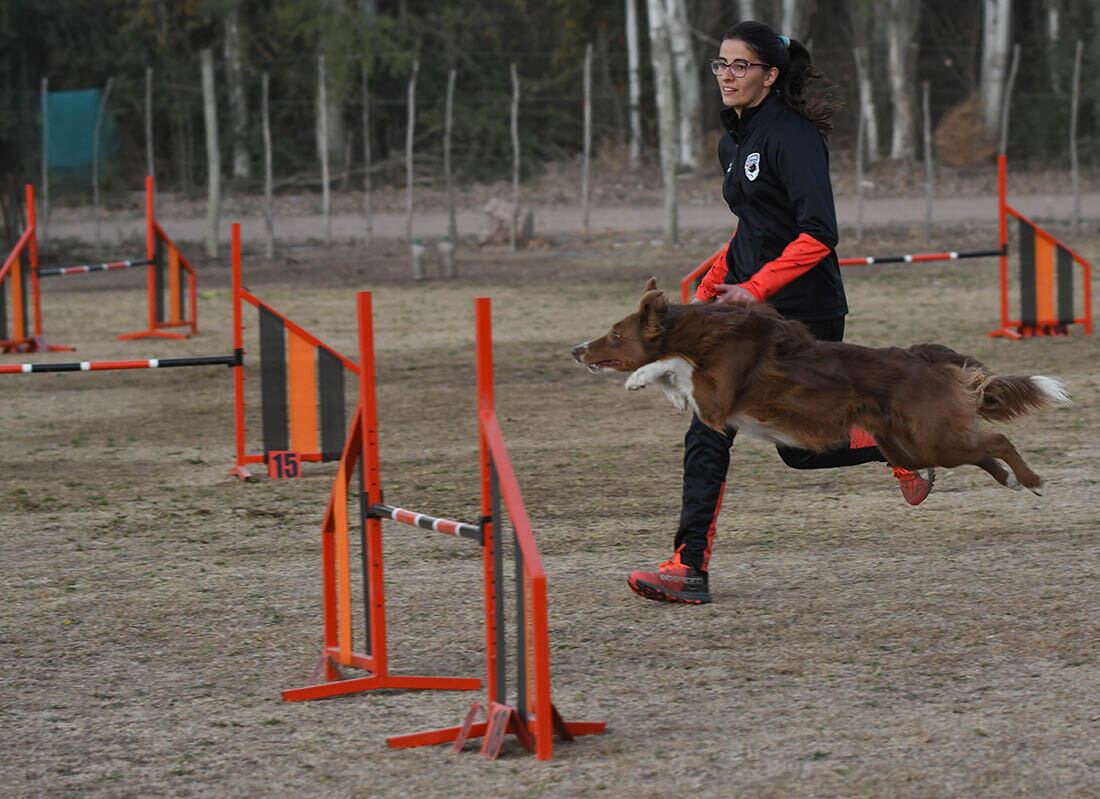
(745, 366)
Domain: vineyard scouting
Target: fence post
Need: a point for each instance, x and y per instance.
(587, 159)
(515, 156)
(322, 147)
(95, 152)
(213, 153)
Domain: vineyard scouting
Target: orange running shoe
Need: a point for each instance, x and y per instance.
(915, 485)
(672, 582)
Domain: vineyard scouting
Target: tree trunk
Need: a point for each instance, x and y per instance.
(410, 129)
(634, 80)
(746, 9)
(515, 158)
(587, 143)
(995, 38)
(661, 55)
(213, 154)
(867, 114)
(44, 204)
(149, 122)
(1075, 177)
(688, 94)
(448, 125)
(322, 147)
(269, 210)
(238, 102)
(367, 210)
(901, 28)
(95, 151)
(1053, 31)
(796, 16)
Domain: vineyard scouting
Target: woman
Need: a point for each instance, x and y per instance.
(776, 166)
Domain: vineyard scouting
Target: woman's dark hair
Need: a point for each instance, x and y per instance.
(796, 71)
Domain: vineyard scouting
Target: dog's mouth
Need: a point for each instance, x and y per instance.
(598, 365)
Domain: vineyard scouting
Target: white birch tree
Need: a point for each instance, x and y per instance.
(689, 100)
(746, 9)
(901, 20)
(862, 16)
(234, 82)
(995, 37)
(660, 53)
(634, 80)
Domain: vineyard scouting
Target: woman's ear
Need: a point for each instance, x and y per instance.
(771, 76)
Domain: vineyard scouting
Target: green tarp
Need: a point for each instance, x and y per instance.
(70, 129)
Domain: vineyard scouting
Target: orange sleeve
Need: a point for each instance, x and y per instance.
(714, 276)
(797, 258)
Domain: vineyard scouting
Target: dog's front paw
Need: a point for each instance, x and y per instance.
(641, 377)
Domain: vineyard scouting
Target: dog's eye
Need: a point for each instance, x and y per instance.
(615, 335)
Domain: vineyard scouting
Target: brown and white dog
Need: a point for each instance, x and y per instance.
(747, 367)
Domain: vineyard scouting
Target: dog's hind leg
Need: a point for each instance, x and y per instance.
(997, 469)
(997, 445)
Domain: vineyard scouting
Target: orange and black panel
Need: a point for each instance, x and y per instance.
(302, 386)
(20, 319)
(169, 284)
(1046, 283)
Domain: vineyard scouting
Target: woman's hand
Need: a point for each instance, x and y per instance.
(728, 292)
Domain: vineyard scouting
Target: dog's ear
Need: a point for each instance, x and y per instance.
(650, 285)
(652, 312)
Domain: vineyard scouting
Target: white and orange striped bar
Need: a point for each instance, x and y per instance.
(102, 366)
(920, 257)
(426, 522)
(55, 271)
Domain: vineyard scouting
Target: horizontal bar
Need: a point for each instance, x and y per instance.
(423, 520)
(921, 257)
(100, 366)
(54, 271)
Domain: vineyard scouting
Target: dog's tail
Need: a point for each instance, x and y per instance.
(1001, 399)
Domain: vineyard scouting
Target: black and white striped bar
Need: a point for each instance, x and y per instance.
(921, 257)
(423, 520)
(102, 366)
(56, 271)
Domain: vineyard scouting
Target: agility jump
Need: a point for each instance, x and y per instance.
(301, 380)
(1048, 305)
(531, 716)
(170, 279)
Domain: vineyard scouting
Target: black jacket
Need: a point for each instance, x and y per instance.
(777, 182)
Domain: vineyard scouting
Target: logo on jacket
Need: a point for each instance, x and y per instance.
(752, 166)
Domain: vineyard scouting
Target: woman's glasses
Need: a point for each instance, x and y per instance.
(738, 68)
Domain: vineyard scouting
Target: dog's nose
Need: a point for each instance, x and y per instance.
(578, 351)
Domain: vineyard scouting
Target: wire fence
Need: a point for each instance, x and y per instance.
(550, 120)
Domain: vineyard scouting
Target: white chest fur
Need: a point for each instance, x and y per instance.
(673, 377)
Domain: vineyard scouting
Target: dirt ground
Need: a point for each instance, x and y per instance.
(154, 608)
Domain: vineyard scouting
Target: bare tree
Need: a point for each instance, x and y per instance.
(337, 131)
(995, 39)
(586, 148)
(795, 17)
(269, 212)
(410, 130)
(901, 20)
(1075, 177)
(322, 146)
(660, 52)
(863, 19)
(634, 80)
(746, 9)
(213, 154)
(100, 115)
(688, 94)
(238, 103)
(513, 230)
(149, 121)
(367, 188)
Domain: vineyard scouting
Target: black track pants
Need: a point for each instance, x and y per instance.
(707, 459)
